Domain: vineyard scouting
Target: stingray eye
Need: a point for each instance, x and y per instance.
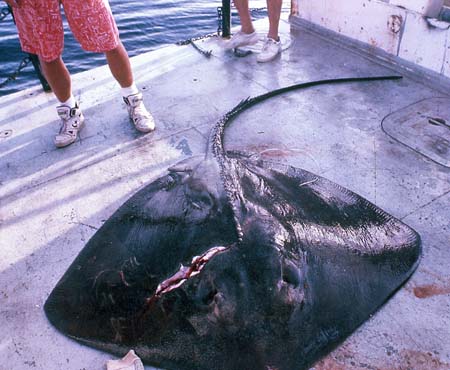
(291, 274)
(206, 292)
(209, 298)
(202, 201)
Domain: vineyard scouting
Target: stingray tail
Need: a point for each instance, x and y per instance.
(215, 145)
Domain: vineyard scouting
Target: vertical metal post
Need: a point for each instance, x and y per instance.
(226, 18)
(37, 69)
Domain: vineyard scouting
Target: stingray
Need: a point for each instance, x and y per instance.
(231, 262)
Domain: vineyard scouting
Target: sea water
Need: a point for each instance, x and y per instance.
(143, 25)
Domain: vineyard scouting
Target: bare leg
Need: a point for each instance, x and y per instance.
(274, 10)
(120, 67)
(58, 78)
(244, 15)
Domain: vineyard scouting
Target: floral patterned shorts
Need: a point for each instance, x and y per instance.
(41, 31)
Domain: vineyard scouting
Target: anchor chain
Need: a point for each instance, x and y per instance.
(253, 11)
(219, 20)
(4, 12)
(206, 53)
(24, 63)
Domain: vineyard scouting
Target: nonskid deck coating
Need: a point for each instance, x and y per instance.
(52, 201)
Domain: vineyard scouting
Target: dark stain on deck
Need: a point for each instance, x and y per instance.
(430, 290)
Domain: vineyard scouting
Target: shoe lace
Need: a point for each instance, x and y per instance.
(266, 45)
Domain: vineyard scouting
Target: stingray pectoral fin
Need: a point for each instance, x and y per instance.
(139, 246)
(326, 211)
(355, 255)
(327, 219)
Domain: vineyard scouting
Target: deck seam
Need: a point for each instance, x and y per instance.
(425, 205)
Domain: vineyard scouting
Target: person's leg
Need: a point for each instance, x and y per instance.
(93, 25)
(244, 16)
(120, 66)
(274, 10)
(72, 119)
(41, 32)
(247, 35)
(272, 45)
(58, 78)
(40, 28)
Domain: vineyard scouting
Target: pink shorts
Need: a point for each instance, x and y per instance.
(41, 31)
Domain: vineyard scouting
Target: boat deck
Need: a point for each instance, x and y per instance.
(53, 200)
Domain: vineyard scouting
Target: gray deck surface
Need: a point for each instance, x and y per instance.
(52, 201)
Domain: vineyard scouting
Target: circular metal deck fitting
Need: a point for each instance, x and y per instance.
(423, 127)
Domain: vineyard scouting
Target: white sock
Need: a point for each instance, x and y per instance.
(71, 102)
(131, 90)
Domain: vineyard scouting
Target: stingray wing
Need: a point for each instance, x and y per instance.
(143, 243)
(356, 254)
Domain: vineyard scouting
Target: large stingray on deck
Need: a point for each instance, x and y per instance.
(227, 262)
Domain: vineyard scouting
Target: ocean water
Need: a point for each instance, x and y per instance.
(143, 25)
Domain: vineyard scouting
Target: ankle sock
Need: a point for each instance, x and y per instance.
(71, 102)
(131, 90)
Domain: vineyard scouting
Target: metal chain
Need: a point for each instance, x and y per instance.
(206, 53)
(219, 20)
(4, 12)
(257, 10)
(188, 41)
(25, 61)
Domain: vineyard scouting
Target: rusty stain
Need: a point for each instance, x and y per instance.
(404, 360)
(275, 153)
(430, 290)
(420, 360)
(329, 364)
(395, 23)
(373, 42)
(268, 151)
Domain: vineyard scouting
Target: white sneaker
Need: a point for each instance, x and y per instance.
(141, 118)
(72, 121)
(240, 39)
(269, 51)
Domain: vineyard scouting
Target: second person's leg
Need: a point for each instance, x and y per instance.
(247, 35)
(272, 45)
(244, 16)
(274, 10)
